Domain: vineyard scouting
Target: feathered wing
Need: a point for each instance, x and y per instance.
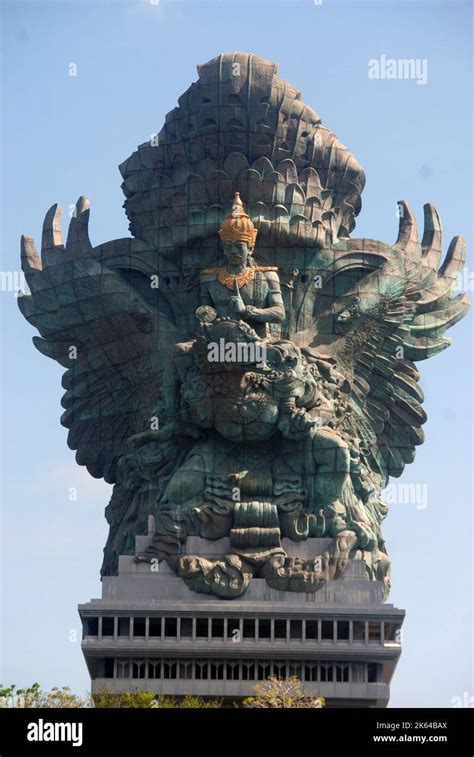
(113, 341)
(396, 314)
(386, 400)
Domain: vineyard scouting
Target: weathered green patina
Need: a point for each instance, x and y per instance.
(238, 387)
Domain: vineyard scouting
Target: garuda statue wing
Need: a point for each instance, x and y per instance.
(99, 317)
(379, 310)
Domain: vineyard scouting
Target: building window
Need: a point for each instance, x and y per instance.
(92, 625)
(217, 628)
(202, 628)
(343, 630)
(108, 626)
(263, 671)
(296, 629)
(232, 671)
(200, 668)
(249, 628)
(327, 630)
(123, 668)
(154, 669)
(372, 672)
(279, 670)
(311, 671)
(154, 627)
(139, 627)
(295, 669)
(375, 632)
(233, 629)
(358, 672)
(217, 670)
(138, 668)
(312, 629)
(392, 632)
(327, 672)
(248, 670)
(171, 628)
(109, 667)
(358, 630)
(170, 668)
(245, 670)
(264, 629)
(280, 629)
(186, 628)
(124, 627)
(186, 670)
(342, 673)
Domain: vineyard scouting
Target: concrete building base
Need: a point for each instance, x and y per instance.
(150, 632)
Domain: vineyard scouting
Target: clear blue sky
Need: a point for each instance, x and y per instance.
(64, 136)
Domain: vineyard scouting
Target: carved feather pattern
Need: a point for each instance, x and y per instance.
(241, 128)
(113, 343)
(405, 304)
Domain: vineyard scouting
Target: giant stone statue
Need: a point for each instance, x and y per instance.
(241, 367)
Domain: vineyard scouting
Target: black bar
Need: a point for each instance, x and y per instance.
(308, 731)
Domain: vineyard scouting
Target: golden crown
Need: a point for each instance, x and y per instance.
(238, 226)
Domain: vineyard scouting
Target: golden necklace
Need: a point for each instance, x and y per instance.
(228, 279)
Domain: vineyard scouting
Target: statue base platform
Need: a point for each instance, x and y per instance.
(150, 632)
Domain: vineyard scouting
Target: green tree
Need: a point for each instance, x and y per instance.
(282, 693)
(34, 697)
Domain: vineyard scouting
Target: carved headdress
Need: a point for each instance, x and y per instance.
(238, 226)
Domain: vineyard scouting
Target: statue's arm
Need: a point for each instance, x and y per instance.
(275, 310)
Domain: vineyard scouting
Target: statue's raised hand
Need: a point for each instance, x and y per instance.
(297, 424)
(236, 302)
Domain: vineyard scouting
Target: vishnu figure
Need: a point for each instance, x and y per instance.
(240, 290)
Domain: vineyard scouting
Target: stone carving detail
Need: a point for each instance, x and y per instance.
(255, 387)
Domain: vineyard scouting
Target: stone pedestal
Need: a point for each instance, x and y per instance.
(149, 631)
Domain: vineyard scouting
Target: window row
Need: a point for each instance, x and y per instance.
(240, 670)
(240, 629)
